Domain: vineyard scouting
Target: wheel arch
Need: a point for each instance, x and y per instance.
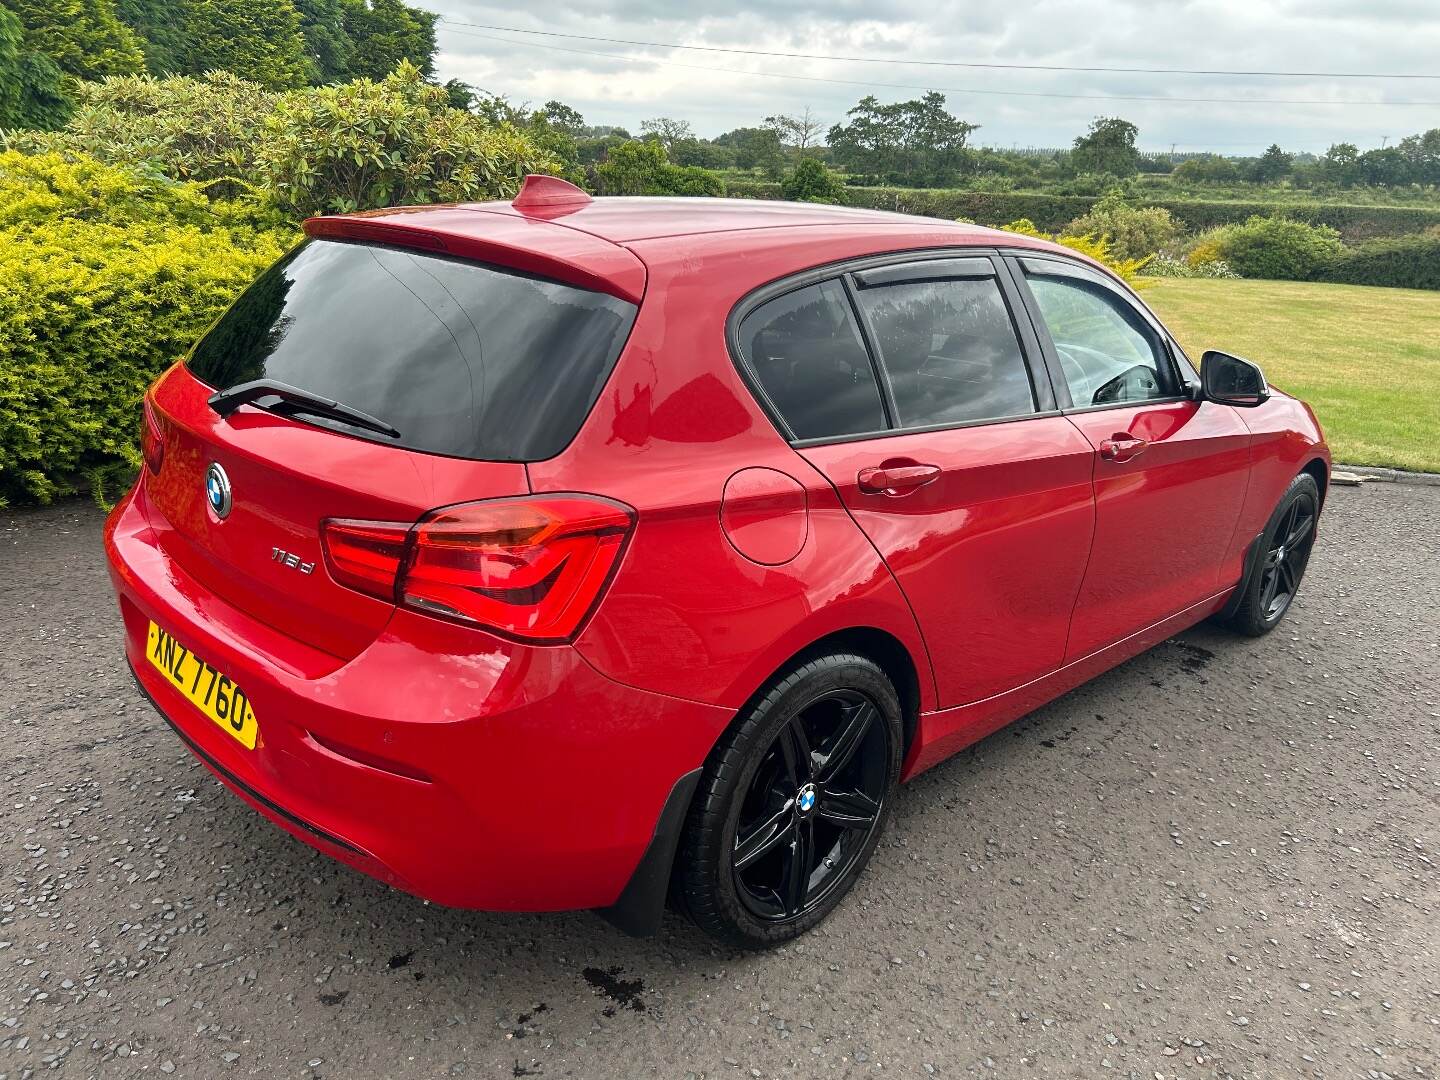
(1318, 469)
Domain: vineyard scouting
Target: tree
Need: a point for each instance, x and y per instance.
(755, 148)
(385, 32)
(811, 181)
(1384, 167)
(641, 167)
(801, 132)
(1207, 169)
(84, 38)
(328, 43)
(665, 129)
(1272, 165)
(258, 40)
(1341, 164)
(563, 118)
(159, 28)
(1423, 153)
(30, 84)
(908, 142)
(1108, 147)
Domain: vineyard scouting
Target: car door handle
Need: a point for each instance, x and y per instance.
(896, 478)
(1122, 446)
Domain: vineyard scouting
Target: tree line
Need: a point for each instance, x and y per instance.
(279, 44)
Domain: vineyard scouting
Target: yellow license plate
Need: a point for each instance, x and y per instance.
(207, 689)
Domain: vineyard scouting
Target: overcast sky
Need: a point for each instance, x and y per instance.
(636, 82)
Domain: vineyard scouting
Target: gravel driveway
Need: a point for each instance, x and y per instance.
(1218, 860)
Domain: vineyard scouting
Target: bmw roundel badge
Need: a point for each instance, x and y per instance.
(217, 491)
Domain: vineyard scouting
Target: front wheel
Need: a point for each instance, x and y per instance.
(1287, 541)
(792, 803)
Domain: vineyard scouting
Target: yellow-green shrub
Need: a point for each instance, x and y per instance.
(95, 301)
(1096, 247)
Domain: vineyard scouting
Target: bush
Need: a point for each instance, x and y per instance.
(95, 301)
(1053, 212)
(1278, 248)
(1095, 247)
(201, 129)
(1401, 262)
(641, 167)
(396, 142)
(360, 145)
(811, 181)
(1168, 266)
(1132, 232)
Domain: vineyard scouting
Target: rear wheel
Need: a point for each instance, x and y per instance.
(1286, 546)
(792, 803)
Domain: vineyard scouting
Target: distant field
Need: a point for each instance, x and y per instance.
(1367, 359)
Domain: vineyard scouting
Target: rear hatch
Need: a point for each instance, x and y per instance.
(471, 370)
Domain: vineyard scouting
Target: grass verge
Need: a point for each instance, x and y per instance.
(1366, 359)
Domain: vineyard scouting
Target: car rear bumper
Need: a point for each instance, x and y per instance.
(467, 770)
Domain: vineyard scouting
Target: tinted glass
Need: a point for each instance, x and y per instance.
(461, 358)
(1108, 352)
(806, 350)
(950, 351)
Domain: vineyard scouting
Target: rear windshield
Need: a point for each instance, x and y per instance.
(462, 358)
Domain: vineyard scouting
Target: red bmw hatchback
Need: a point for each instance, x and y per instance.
(573, 553)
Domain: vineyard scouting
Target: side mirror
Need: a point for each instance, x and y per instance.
(1230, 380)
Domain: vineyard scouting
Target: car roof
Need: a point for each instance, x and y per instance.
(594, 242)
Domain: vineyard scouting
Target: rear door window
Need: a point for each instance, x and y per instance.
(805, 351)
(950, 350)
(462, 358)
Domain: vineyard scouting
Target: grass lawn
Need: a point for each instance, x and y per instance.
(1367, 359)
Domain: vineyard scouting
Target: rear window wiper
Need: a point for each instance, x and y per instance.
(226, 402)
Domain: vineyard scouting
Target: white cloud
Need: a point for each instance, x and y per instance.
(639, 82)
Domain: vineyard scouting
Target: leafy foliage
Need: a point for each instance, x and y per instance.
(1108, 147)
(641, 167)
(1277, 247)
(1167, 266)
(31, 94)
(188, 129)
(259, 40)
(106, 276)
(1093, 247)
(386, 33)
(811, 181)
(1052, 213)
(84, 38)
(1404, 262)
(366, 144)
(913, 142)
(1132, 232)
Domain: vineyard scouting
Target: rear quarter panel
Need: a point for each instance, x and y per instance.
(686, 614)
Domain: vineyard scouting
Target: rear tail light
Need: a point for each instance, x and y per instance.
(530, 568)
(152, 438)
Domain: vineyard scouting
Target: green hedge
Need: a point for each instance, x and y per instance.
(106, 277)
(1401, 262)
(1050, 213)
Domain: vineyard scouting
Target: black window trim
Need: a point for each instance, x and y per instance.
(1042, 378)
(1015, 258)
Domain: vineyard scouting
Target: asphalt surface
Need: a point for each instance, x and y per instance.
(1218, 860)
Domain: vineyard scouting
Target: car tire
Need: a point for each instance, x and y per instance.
(792, 802)
(1284, 554)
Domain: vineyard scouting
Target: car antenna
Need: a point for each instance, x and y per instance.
(544, 196)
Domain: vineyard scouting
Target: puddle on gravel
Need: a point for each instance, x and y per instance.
(625, 993)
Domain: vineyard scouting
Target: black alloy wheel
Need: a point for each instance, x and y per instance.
(792, 802)
(811, 806)
(1285, 553)
(1286, 557)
